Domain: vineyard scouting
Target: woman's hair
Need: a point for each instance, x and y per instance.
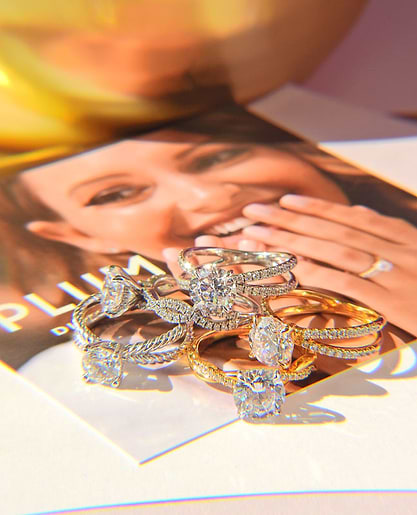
(31, 263)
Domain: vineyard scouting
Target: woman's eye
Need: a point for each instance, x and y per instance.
(207, 161)
(115, 194)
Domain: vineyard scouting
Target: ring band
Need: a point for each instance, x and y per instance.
(378, 266)
(258, 392)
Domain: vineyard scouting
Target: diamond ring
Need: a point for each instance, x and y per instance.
(103, 359)
(274, 264)
(378, 266)
(216, 291)
(272, 339)
(258, 392)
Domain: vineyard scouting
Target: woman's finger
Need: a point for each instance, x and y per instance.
(208, 241)
(171, 257)
(316, 276)
(357, 217)
(334, 254)
(395, 305)
(251, 245)
(322, 229)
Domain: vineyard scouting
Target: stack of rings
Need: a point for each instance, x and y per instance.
(225, 303)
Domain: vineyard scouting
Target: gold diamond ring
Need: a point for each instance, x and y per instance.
(258, 392)
(274, 325)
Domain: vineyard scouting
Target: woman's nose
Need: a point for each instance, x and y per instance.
(206, 197)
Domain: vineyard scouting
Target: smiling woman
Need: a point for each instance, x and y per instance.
(167, 193)
(165, 188)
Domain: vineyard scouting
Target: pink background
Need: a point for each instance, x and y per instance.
(376, 64)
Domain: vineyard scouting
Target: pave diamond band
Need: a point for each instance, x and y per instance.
(342, 352)
(268, 290)
(274, 263)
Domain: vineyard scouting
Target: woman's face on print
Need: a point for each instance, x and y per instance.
(163, 190)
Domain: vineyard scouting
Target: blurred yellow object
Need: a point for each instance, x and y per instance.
(74, 74)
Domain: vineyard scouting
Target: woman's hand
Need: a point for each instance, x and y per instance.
(344, 241)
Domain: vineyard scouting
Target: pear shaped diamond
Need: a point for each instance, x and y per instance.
(271, 342)
(102, 365)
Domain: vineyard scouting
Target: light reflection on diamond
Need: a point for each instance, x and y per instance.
(116, 297)
(271, 342)
(258, 393)
(102, 365)
(213, 291)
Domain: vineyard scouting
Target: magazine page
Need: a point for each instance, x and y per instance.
(223, 179)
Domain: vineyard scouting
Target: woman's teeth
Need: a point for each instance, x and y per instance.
(227, 228)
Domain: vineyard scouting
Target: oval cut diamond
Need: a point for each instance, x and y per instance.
(102, 365)
(213, 290)
(258, 393)
(271, 342)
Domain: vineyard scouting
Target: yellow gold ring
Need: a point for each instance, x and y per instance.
(281, 335)
(258, 392)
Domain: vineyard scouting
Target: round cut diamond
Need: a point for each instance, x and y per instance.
(258, 393)
(271, 342)
(213, 291)
(102, 365)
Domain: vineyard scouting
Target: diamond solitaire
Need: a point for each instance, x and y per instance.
(258, 393)
(119, 292)
(213, 291)
(271, 342)
(102, 365)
